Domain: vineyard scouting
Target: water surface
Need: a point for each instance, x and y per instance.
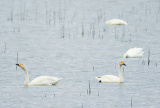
(69, 39)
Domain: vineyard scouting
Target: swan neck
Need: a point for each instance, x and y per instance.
(26, 83)
(120, 74)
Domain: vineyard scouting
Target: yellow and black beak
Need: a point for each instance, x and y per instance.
(18, 64)
(124, 64)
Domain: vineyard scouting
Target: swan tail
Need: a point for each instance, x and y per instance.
(59, 79)
(98, 78)
(55, 82)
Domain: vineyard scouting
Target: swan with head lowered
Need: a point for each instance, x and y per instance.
(134, 53)
(116, 22)
(39, 81)
(112, 78)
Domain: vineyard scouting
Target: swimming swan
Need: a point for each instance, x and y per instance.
(134, 53)
(39, 81)
(112, 78)
(116, 22)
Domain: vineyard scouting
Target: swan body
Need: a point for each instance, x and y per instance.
(39, 81)
(112, 78)
(44, 81)
(108, 79)
(134, 53)
(116, 22)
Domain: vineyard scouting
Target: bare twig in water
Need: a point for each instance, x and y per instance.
(130, 38)
(148, 57)
(123, 69)
(143, 62)
(17, 61)
(46, 13)
(115, 33)
(5, 47)
(82, 105)
(36, 14)
(131, 102)
(12, 12)
(89, 90)
(82, 29)
(44, 95)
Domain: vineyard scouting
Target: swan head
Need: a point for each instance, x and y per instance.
(122, 63)
(125, 55)
(22, 66)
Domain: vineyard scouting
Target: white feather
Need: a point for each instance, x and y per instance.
(134, 53)
(39, 81)
(112, 78)
(116, 22)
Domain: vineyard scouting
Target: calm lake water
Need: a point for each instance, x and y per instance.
(69, 39)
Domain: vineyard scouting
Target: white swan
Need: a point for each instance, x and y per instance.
(112, 78)
(134, 53)
(116, 22)
(39, 81)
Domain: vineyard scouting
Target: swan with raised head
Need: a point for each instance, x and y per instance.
(112, 78)
(39, 81)
(134, 53)
(116, 22)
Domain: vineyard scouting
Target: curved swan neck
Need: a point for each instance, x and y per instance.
(26, 83)
(120, 73)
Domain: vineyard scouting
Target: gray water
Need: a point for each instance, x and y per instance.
(69, 39)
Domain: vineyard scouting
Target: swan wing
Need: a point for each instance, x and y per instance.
(44, 81)
(108, 78)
